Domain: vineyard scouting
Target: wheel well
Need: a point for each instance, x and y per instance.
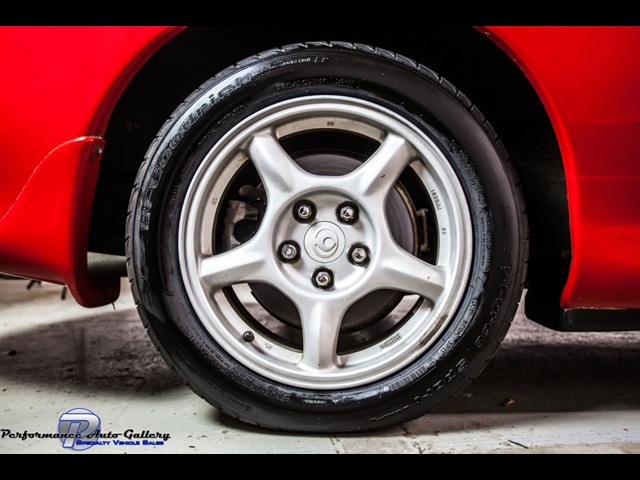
(462, 55)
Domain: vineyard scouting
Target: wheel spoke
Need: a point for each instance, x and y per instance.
(241, 265)
(278, 171)
(320, 328)
(380, 173)
(402, 271)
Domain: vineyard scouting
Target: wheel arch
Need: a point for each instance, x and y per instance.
(462, 55)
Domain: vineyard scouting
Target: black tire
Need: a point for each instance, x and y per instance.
(403, 343)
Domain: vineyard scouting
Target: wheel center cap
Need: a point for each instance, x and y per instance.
(325, 242)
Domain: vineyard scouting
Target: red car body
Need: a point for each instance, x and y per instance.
(62, 85)
(49, 172)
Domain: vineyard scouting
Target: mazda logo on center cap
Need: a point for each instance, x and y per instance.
(325, 242)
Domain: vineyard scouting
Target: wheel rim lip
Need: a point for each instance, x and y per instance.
(219, 317)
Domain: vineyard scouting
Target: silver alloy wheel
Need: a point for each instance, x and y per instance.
(325, 244)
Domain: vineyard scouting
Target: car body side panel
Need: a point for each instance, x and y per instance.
(44, 234)
(65, 84)
(587, 78)
(55, 110)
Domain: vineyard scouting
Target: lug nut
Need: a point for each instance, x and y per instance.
(304, 212)
(359, 255)
(348, 213)
(323, 279)
(289, 252)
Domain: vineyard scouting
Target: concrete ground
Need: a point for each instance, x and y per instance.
(545, 392)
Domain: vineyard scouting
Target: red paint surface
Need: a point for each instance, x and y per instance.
(588, 79)
(59, 86)
(44, 235)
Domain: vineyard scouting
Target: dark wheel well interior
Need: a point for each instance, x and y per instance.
(462, 55)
